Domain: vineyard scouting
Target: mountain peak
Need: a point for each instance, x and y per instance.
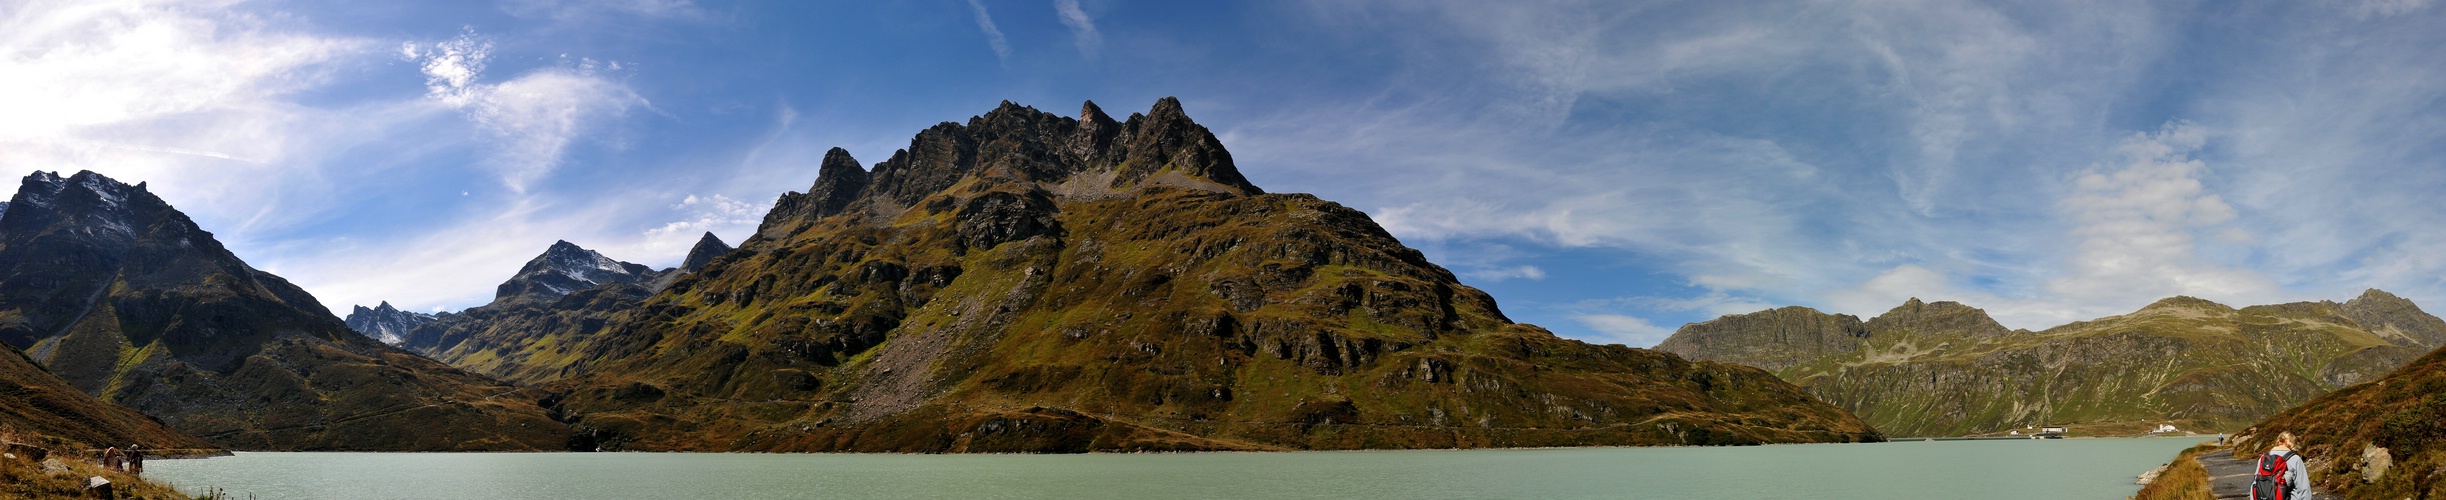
(2398, 317)
(1019, 146)
(2182, 302)
(1091, 114)
(566, 267)
(1938, 317)
(706, 249)
(385, 323)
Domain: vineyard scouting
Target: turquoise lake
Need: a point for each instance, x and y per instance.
(2069, 468)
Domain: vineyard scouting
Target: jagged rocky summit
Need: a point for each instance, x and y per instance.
(125, 299)
(1032, 282)
(1946, 369)
(556, 301)
(385, 323)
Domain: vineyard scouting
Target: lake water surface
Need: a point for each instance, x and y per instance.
(2070, 468)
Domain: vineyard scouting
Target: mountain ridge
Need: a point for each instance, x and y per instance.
(122, 296)
(1032, 282)
(2184, 360)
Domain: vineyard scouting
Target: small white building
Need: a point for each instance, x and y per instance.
(2166, 429)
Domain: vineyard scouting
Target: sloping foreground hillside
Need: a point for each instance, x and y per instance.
(1032, 282)
(1943, 369)
(35, 403)
(2381, 439)
(123, 297)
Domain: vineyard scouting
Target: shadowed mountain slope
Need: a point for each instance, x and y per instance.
(1033, 282)
(123, 297)
(1942, 368)
(36, 402)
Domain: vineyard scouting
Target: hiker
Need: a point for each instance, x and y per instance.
(110, 458)
(2280, 474)
(135, 459)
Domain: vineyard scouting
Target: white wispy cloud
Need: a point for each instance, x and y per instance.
(1625, 330)
(2138, 223)
(533, 118)
(701, 214)
(1082, 28)
(575, 9)
(190, 96)
(1504, 273)
(993, 35)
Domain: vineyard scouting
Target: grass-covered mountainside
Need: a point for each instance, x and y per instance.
(123, 297)
(1943, 368)
(2380, 439)
(35, 403)
(1033, 282)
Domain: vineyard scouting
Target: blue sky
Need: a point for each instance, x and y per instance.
(1609, 170)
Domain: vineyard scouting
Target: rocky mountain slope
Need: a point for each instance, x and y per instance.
(1943, 368)
(1033, 282)
(559, 298)
(2380, 439)
(385, 323)
(34, 402)
(122, 296)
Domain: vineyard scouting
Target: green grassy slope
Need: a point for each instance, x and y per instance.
(1028, 282)
(2196, 364)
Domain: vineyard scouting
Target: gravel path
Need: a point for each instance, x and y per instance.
(2230, 478)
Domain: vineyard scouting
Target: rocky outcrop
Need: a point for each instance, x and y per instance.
(1944, 317)
(1773, 339)
(122, 296)
(1943, 369)
(706, 250)
(385, 323)
(1033, 282)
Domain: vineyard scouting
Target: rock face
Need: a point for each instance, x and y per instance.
(566, 294)
(1944, 369)
(706, 250)
(123, 297)
(2380, 439)
(1037, 283)
(385, 323)
(32, 401)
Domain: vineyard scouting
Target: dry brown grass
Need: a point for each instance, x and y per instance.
(21, 478)
(2183, 479)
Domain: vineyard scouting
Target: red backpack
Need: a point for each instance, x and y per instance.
(2271, 483)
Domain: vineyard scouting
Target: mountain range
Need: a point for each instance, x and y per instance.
(385, 323)
(1947, 369)
(558, 299)
(125, 299)
(1032, 282)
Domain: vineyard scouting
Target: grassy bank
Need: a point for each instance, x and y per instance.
(63, 475)
(2182, 479)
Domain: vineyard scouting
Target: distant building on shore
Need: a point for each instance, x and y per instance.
(2050, 432)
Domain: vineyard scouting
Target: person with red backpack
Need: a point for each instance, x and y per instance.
(2281, 475)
